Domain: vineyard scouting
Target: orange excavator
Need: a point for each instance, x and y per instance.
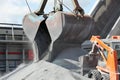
(109, 51)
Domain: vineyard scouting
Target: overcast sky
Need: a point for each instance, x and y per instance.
(12, 11)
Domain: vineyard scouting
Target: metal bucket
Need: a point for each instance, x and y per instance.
(60, 26)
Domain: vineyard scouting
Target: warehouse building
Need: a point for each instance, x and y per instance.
(15, 48)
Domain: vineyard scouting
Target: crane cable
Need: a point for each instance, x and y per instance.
(28, 6)
(67, 8)
(61, 2)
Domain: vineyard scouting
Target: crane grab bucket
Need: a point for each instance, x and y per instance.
(60, 26)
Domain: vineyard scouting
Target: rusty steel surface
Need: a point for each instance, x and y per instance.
(69, 28)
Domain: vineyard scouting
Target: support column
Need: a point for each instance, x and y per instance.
(7, 64)
(23, 55)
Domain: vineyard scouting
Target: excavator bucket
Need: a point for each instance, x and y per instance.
(60, 26)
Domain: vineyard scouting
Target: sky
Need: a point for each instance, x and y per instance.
(13, 11)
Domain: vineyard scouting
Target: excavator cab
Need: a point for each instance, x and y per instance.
(57, 27)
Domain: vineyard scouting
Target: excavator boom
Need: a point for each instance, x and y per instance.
(110, 60)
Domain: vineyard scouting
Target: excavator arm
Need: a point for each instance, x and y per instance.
(110, 59)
